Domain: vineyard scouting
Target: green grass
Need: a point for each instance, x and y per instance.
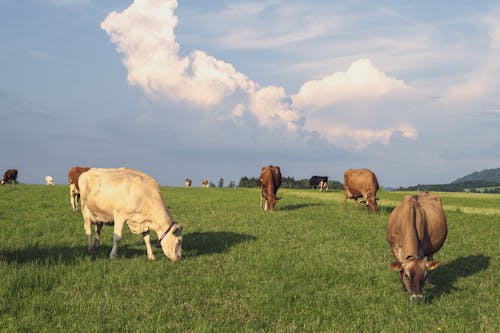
(306, 267)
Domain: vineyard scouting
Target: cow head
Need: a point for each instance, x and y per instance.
(414, 273)
(171, 242)
(371, 203)
(270, 202)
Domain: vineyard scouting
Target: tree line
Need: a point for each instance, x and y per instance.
(288, 182)
(466, 186)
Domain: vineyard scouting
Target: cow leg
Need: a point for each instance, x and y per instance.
(149, 250)
(357, 203)
(88, 231)
(98, 229)
(117, 237)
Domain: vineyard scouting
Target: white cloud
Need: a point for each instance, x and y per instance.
(144, 33)
(361, 80)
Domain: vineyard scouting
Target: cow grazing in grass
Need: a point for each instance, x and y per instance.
(74, 191)
(270, 181)
(416, 229)
(49, 181)
(316, 181)
(187, 182)
(204, 183)
(126, 196)
(10, 176)
(361, 183)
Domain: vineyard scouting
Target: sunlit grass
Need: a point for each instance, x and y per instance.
(306, 267)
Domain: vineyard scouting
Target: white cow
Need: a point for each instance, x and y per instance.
(127, 196)
(49, 180)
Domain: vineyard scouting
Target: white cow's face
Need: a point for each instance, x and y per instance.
(172, 243)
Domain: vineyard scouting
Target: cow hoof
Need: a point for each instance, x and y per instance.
(152, 257)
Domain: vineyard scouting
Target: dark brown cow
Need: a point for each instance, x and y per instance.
(361, 183)
(74, 191)
(10, 176)
(270, 181)
(416, 229)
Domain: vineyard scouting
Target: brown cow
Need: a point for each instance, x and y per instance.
(204, 183)
(361, 183)
(416, 229)
(270, 181)
(74, 191)
(10, 176)
(187, 182)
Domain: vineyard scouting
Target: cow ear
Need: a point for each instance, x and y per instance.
(279, 198)
(377, 198)
(432, 265)
(177, 228)
(362, 201)
(396, 266)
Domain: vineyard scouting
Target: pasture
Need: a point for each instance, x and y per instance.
(306, 267)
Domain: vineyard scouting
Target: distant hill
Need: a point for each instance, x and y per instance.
(488, 175)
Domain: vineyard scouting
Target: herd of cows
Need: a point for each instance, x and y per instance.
(416, 228)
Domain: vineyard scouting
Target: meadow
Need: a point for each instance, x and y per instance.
(309, 266)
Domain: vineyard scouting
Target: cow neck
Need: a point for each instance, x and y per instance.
(166, 231)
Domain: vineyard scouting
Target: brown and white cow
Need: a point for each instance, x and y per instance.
(187, 182)
(10, 176)
(204, 183)
(74, 191)
(323, 185)
(126, 196)
(361, 183)
(270, 181)
(416, 229)
(49, 181)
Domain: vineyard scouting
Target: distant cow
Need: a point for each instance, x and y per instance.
(49, 181)
(74, 191)
(270, 181)
(323, 185)
(204, 183)
(10, 176)
(316, 181)
(126, 196)
(416, 229)
(361, 183)
(187, 182)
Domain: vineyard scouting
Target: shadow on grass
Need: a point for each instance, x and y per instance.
(445, 277)
(297, 206)
(64, 254)
(202, 243)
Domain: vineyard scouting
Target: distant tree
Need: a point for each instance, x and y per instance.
(221, 182)
(232, 184)
(211, 184)
(248, 182)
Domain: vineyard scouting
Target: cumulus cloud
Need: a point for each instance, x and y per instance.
(144, 34)
(361, 80)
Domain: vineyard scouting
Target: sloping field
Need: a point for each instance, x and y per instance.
(306, 267)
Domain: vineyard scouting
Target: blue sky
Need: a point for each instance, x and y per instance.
(219, 89)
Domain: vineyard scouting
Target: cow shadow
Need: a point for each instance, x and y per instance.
(68, 255)
(204, 243)
(297, 206)
(444, 278)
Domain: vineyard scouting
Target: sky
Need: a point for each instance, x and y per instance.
(218, 89)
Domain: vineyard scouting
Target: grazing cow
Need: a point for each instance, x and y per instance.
(10, 176)
(270, 181)
(126, 196)
(323, 185)
(416, 229)
(74, 191)
(361, 183)
(49, 181)
(315, 181)
(187, 183)
(204, 183)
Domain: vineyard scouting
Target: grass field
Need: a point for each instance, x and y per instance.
(306, 267)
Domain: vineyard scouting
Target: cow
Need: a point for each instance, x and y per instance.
(323, 185)
(126, 196)
(361, 183)
(315, 181)
(10, 176)
(270, 181)
(74, 191)
(187, 183)
(204, 183)
(49, 181)
(417, 228)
